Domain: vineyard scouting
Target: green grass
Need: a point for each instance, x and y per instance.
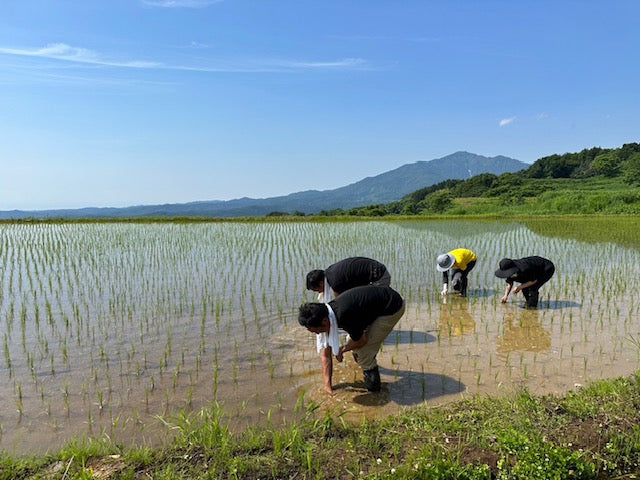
(591, 433)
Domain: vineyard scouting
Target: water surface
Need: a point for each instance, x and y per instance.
(106, 327)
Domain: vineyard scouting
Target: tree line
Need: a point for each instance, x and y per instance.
(591, 181)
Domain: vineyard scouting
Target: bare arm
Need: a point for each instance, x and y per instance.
(351, 345)
(507, 292)
(327, 368)
(525, 285)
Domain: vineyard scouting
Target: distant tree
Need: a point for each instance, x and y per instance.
(409, 209)
(631, 170)
(564, 166)
(421, 194)
(330, 213)
(476, 186)
(506, 184)
(548, 167)
(438, 202)
(368, 211)
(627, 150)
(395, 208)
(606, 164)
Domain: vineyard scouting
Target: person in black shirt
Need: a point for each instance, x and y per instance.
(368, 314)
(348, 273)
(530, 272)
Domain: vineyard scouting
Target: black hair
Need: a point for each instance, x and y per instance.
(315, 279)
(312, 314)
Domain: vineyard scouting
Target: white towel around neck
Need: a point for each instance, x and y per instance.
(332, 337)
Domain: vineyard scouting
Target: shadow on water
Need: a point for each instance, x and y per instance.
(549, 305)
(481, 292)
(557, 304)
(404, 388)
(407, 337)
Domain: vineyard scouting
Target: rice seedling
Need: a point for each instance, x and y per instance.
(207, 311)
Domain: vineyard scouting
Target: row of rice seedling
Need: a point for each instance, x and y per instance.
(582, 330)
(106, 326)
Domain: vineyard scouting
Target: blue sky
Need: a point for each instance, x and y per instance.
(128, 102)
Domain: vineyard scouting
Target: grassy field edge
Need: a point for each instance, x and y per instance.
(593, 432)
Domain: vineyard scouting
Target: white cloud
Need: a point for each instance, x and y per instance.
(346, 62)
(506, 121)
(180, 3)
(64, 52)
(196, 44)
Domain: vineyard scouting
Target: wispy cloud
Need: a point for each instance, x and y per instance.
(196, 44)
(179, 3)
(507, 121)
(67, 53)
(62, 51)
(344, 63)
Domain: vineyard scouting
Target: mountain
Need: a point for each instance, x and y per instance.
(386, 187)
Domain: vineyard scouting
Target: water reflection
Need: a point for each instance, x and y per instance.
(455, 318)
(143, 320)
(524, 333)
(462, 228)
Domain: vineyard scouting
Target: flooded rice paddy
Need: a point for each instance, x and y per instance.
(107, 328)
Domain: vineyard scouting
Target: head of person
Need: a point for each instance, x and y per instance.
(445, 262)
(508, 268)
(314, 317)
(315, 281)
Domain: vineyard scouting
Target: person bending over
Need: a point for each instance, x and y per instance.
(530, 272)
(460, 262)
(348, 273)
(368, 314)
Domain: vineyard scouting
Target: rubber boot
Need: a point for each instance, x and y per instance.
(372, 379)
(532, 299)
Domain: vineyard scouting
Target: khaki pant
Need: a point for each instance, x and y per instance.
(376, 333)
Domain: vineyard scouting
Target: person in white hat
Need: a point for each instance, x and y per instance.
(460, 262)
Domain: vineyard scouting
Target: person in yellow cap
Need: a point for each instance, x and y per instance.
(460, 261)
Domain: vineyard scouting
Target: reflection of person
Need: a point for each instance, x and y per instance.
(368, 314)
(524, 334)
(530, 272)
(460, 261)
(348, 273)
(455, 319)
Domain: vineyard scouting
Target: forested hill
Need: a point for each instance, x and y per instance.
(595, 180)
(386, 187)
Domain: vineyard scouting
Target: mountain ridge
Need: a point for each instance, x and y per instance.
(382, 188)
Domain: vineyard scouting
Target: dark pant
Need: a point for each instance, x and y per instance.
(459, 280)
(531, 294)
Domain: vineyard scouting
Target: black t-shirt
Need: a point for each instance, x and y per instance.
(353, 272)
(532, 268)
(358, 307)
